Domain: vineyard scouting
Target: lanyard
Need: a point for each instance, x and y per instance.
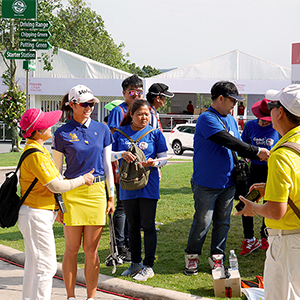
(158, 121)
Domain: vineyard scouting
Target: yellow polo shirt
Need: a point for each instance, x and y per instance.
(42, 166)
(284, 180)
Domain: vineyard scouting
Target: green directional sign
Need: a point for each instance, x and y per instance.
(34, 45)
(30, 24)
(37, 35)
(10, 54)
(29, 65)
(19, 9)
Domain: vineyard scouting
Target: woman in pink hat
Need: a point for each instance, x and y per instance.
(39, 210)
(260, 133)
(85, 144)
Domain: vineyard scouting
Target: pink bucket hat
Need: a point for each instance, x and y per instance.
(35, 119)
(261, 111)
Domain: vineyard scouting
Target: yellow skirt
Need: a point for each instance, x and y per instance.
(86, 205)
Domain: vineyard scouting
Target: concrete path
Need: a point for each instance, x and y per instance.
(11, 284)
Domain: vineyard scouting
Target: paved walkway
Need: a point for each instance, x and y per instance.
(11, 278)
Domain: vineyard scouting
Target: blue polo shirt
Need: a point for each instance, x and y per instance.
(265, 137)
(213, 164)
(82, 145)
(117, 115)
(153, 143)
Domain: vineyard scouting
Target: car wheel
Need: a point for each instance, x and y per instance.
(177, 148)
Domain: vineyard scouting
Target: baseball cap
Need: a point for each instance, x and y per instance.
(261, 111)
(160, 89)
(225, 88)
(289, 97)
(81, 94)
(35, 119)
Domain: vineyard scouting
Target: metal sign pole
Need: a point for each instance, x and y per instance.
(27, 84)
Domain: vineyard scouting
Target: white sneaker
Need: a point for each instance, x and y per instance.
(71, 298)
(144, 274)
(191, 264)
(216, 261)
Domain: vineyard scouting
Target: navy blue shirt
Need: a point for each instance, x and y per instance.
(82, 145)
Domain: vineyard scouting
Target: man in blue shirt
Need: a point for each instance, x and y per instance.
(212, 181)
(132, 90)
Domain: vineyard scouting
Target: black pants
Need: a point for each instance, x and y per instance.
(141, 212)
(120, 222)
(258, 173)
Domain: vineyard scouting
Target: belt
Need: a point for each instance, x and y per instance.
(279, 232)
(99, 178)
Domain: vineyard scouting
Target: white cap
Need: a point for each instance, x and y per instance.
(81, 94)
(289, 97)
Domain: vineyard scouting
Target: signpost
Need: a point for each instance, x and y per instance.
(29, 24)
(16, 54)
(37, 35)
(30, 29)
(34, 45)
(19, 9)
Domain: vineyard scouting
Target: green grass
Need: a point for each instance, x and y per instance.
(175, 210)
(9, 159)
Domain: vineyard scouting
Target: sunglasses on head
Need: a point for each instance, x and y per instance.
(133, 92)
(272, 105)
(86, 104)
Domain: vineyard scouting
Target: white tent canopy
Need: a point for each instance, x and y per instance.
(251, 74)
(70, 69)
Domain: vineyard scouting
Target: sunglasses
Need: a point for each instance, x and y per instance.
(133, 92)
(271, 105)
(86, 104)
(232, 99)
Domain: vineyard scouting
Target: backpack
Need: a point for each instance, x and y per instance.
(10, 202)
(133, 176)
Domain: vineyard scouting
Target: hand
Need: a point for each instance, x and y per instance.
(89, 178)
(264, 154)
(247, 211)
(148, 163)
(128, 156)
(60, 217)
(260, 187)
(110, 205)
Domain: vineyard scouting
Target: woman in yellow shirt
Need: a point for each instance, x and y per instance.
(39, 210)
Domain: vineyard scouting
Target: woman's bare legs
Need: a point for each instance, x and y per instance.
(73, 236)
(91, 239)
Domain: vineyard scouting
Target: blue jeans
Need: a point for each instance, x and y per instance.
(141, 212)
(211, 205)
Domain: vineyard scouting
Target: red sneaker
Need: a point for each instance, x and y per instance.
(249, 246)
(264, 244)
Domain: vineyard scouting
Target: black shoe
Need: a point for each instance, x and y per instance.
(125, 254)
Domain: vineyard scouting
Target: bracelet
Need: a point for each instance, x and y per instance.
(253, 209)
(117, 171)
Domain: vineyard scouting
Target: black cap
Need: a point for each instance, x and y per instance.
(225, 88)
(160, 89)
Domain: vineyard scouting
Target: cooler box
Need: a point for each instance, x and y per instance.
(227, 287)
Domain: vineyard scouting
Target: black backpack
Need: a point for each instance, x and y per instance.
(10, 202)
(133, 176)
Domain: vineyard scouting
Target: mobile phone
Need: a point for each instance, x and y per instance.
(252, 196)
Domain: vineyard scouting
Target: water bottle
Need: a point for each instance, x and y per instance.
(233, 261)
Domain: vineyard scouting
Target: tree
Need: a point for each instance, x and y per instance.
(13, 101)
(82, 31)
(12, 107)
